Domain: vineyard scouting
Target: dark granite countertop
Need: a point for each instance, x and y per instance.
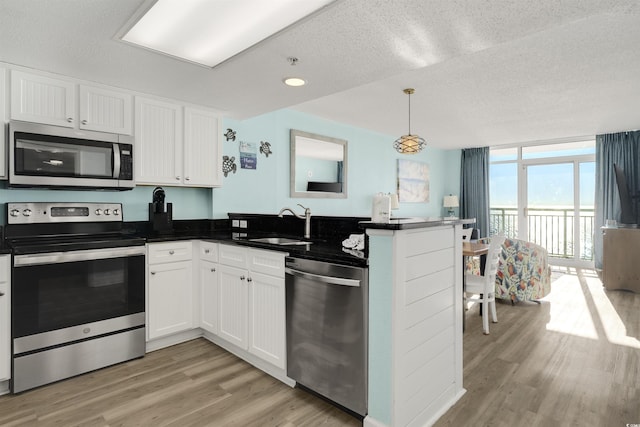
(408, 223)
(321, 250)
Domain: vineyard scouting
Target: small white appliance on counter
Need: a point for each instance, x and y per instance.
(381, 208)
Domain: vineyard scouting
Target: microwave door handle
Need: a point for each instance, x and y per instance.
(116, 161)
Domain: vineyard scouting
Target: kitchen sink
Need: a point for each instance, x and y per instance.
(280, 241)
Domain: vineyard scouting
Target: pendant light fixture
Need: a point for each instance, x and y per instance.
(409, 144)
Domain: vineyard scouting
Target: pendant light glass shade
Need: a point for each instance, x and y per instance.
(409, 144)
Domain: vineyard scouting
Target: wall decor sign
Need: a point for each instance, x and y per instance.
(248, 156)
(230, 134)
(228, 165)
(413, 181)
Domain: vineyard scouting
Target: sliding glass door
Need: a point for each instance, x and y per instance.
(553, 204)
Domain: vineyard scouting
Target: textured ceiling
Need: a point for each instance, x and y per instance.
(485, 72)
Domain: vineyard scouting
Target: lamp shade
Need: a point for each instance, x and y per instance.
(450, 201)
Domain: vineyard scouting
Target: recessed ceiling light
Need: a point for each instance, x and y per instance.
(294, 81)
(209, 32)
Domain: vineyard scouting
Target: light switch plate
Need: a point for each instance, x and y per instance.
(243, 223)
(235, 223)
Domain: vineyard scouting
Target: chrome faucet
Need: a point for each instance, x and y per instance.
(306, 217)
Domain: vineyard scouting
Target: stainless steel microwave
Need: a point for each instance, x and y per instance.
(57, 157)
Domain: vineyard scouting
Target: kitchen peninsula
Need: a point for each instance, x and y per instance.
(415, 320)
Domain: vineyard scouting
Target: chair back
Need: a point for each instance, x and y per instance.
(466, 234)
(493, 258)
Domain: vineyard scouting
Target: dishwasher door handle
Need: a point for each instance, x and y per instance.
(324, 279)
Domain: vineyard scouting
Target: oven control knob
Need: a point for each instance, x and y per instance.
(26, 212)
(107, 212)
(98, 211)
(14, 212)
(116, 212)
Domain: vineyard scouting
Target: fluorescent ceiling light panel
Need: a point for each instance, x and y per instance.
(209, 32)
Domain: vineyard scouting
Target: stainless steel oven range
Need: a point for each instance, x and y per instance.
(78, 290)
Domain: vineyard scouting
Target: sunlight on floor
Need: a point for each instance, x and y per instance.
(579, 305)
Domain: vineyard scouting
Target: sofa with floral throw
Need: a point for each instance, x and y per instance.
(523, 271)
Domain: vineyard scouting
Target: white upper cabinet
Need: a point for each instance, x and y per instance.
(168, 153)
(158, 148)
(3, 118)
(201, 148)
(105, 110)
(41, 99)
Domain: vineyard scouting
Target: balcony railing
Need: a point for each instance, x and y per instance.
(551, 228)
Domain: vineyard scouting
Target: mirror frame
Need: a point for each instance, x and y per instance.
(292, 169)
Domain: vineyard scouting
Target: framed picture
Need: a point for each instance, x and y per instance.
(413, 181)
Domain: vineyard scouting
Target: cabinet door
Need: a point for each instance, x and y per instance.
(3, 120)
(5, 318)
(105, 110)
(209, 296)
(267, 317)
(201, 148)
(42, 99)
(158, 145)
(232, 306)
(170, 299)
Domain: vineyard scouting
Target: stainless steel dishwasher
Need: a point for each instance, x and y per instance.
(327, 330)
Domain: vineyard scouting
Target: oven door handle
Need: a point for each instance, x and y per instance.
(72, 256)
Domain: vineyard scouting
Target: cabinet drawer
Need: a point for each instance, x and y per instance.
(208, 251)
(232, 255)
(266, 262)
(169, 252)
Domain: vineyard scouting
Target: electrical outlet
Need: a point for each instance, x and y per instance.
(235, 223)
(243, 223)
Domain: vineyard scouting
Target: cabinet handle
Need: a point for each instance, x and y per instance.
(213, 270)
(152, 272)
(1, 294)
(241, 277)
(84, 122)
(206, 251)
(249, 279)
(171, 252)
(70, 119)
(178, 178)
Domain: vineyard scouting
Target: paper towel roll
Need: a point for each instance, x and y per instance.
(381, 208)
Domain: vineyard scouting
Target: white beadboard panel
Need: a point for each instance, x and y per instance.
(105, 110)
(425, 386)
(42, 99)
(233, 255)
(267, 262)
(426, 307)
(425, 352)
(425, 330)
(267, 308)
(429, 262)
(233, 302)
(424, 286)
(200, 147)
(429, 241)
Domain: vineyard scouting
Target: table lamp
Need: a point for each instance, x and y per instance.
(451, 202)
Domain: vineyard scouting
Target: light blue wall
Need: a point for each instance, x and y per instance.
(188, 203)
(371, 169)
(372, 164)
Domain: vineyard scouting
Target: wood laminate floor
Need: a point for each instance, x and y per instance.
(572, 360)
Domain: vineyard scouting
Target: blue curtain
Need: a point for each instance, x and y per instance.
(623, 149)
(474, 188)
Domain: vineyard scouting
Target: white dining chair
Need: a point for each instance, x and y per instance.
(466, 234)
(483, 287)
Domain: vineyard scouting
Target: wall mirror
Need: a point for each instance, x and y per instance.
(318, 166)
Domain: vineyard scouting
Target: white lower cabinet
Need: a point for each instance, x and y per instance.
(252, 301)
(5, 317)
(170, 289)
(208, 274)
